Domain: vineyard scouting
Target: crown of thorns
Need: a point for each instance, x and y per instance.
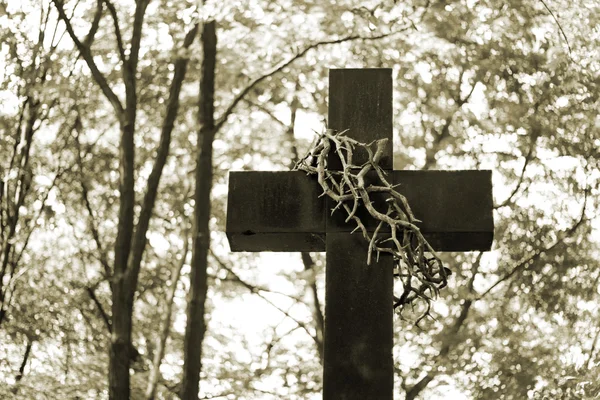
(416, 264)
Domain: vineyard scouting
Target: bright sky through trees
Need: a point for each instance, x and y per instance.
(511, 86)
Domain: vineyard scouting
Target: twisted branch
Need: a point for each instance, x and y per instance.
(418, 267)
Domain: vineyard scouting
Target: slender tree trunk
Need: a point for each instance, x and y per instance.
(317, 312)
(452, 330)
(414, 391)
(119, 357)
(196, 326)
(307, 259)
(166, 325)
(25, 359)
(122, 293)
(13, 208)
(21, 372)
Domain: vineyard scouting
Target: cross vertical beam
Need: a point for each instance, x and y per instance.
(360, 101)
(358, 341)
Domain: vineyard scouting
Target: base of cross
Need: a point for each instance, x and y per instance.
(358, 321)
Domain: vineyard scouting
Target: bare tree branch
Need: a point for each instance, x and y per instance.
(136, 36)
(525, 262)
(86, 53)
(92, 293)
(89, 38)
(115, 18)
(275, 339)
(139, 240)
(266, 111)
(221, 120)
(257, 291)
(559, 25)
(91, 218)
(166, 322)
(130, 69)
(235, 278)
(26, 355)
(528, 158)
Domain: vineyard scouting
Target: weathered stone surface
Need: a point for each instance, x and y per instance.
(358, 322)
(360, 100)
(275, 211)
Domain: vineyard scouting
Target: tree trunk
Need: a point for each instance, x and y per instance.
(25, 359)
(118, 370)
(13, 207)
(196, 326)
(166, 324)
(309, 265)
(417, 388)
(307, 260)
(122, 294)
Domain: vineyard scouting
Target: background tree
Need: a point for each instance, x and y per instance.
(130, 241)
(35, 129)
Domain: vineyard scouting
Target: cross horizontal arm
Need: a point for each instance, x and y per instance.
(284, 211)
(455, 207)
(275, 211)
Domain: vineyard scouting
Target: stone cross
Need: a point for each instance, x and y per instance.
(284, 211)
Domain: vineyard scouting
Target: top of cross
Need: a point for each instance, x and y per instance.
(359, 93)
(283, 211)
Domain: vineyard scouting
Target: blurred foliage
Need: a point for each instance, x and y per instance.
(478, 84)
